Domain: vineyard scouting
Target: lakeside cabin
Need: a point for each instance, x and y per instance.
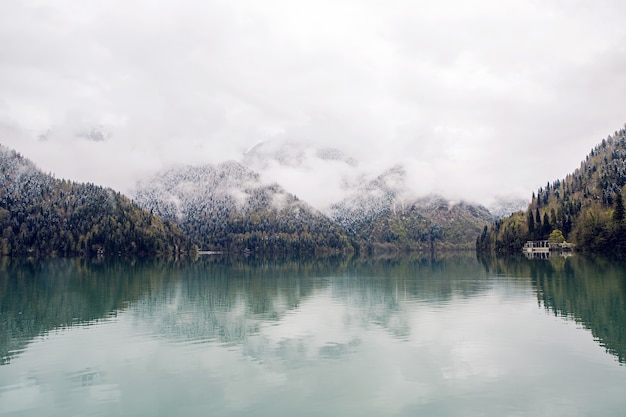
(545, 246)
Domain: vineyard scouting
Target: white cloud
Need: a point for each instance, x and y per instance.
(481, 99)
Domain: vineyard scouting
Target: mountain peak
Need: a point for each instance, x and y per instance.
(227, 207)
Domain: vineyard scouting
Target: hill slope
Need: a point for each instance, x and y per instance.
(384, 214)
(41, 215)
(585, 208)
(226, 207)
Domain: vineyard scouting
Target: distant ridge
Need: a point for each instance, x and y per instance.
(226, 207)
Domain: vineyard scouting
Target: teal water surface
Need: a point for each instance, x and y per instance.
(434, 336)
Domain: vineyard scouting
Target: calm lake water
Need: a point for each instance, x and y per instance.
(443, 336)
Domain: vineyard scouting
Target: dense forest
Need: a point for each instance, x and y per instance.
(227, 208)
(423, 225)
(385, 217)
(294, 228)
(585, 208)
(217, 208)
(223, 207)
(44, 216)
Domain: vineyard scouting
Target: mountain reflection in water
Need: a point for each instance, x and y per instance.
(588, 289)
(226, 300)
(442, 335)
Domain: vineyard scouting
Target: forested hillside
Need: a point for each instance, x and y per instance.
(427, 224)
(43, 216)
(226, 208)
(585, 208)
(386, 217)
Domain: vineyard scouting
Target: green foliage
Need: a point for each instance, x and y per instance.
(586, 206)
(267, 229)
(618, 212)
(436, 227)
(44, 216)
(556, 236)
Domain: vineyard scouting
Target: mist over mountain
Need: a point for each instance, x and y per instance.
(321, 171)
(449, 90)
(230, 206)
(94, 133)
(502, 206)
(328, 177)
(320, 175)
(386, 214)
(176, 192)
(369, 199)
(292, 153)
(226, 207)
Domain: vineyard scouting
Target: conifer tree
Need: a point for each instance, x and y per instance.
(538, 218)
(618, 212)
(546, 227)
(531, 224)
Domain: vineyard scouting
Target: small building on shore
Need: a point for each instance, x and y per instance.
(545, 246)
(537, 246)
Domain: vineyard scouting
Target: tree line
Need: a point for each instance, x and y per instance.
(586, 208)
(43, 216)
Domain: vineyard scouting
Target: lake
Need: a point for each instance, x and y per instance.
(446, 335)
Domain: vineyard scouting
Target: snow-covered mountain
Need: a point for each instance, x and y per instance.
(180, 192)
(385, 214)
(227, 207)
(368, 200)
(503, 206)
(230, 207)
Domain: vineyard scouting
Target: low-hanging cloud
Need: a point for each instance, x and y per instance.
(474, 100)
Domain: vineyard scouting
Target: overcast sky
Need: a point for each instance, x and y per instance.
(475, 98)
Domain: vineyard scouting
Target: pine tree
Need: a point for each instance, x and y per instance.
(618, 211)
(538, 219)
(546, 227)
(531, 224)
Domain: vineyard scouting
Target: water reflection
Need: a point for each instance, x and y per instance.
(242, 336)
(39, 296)
(217, 298)
(251, 302)
(226, 299)
(588, 289)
